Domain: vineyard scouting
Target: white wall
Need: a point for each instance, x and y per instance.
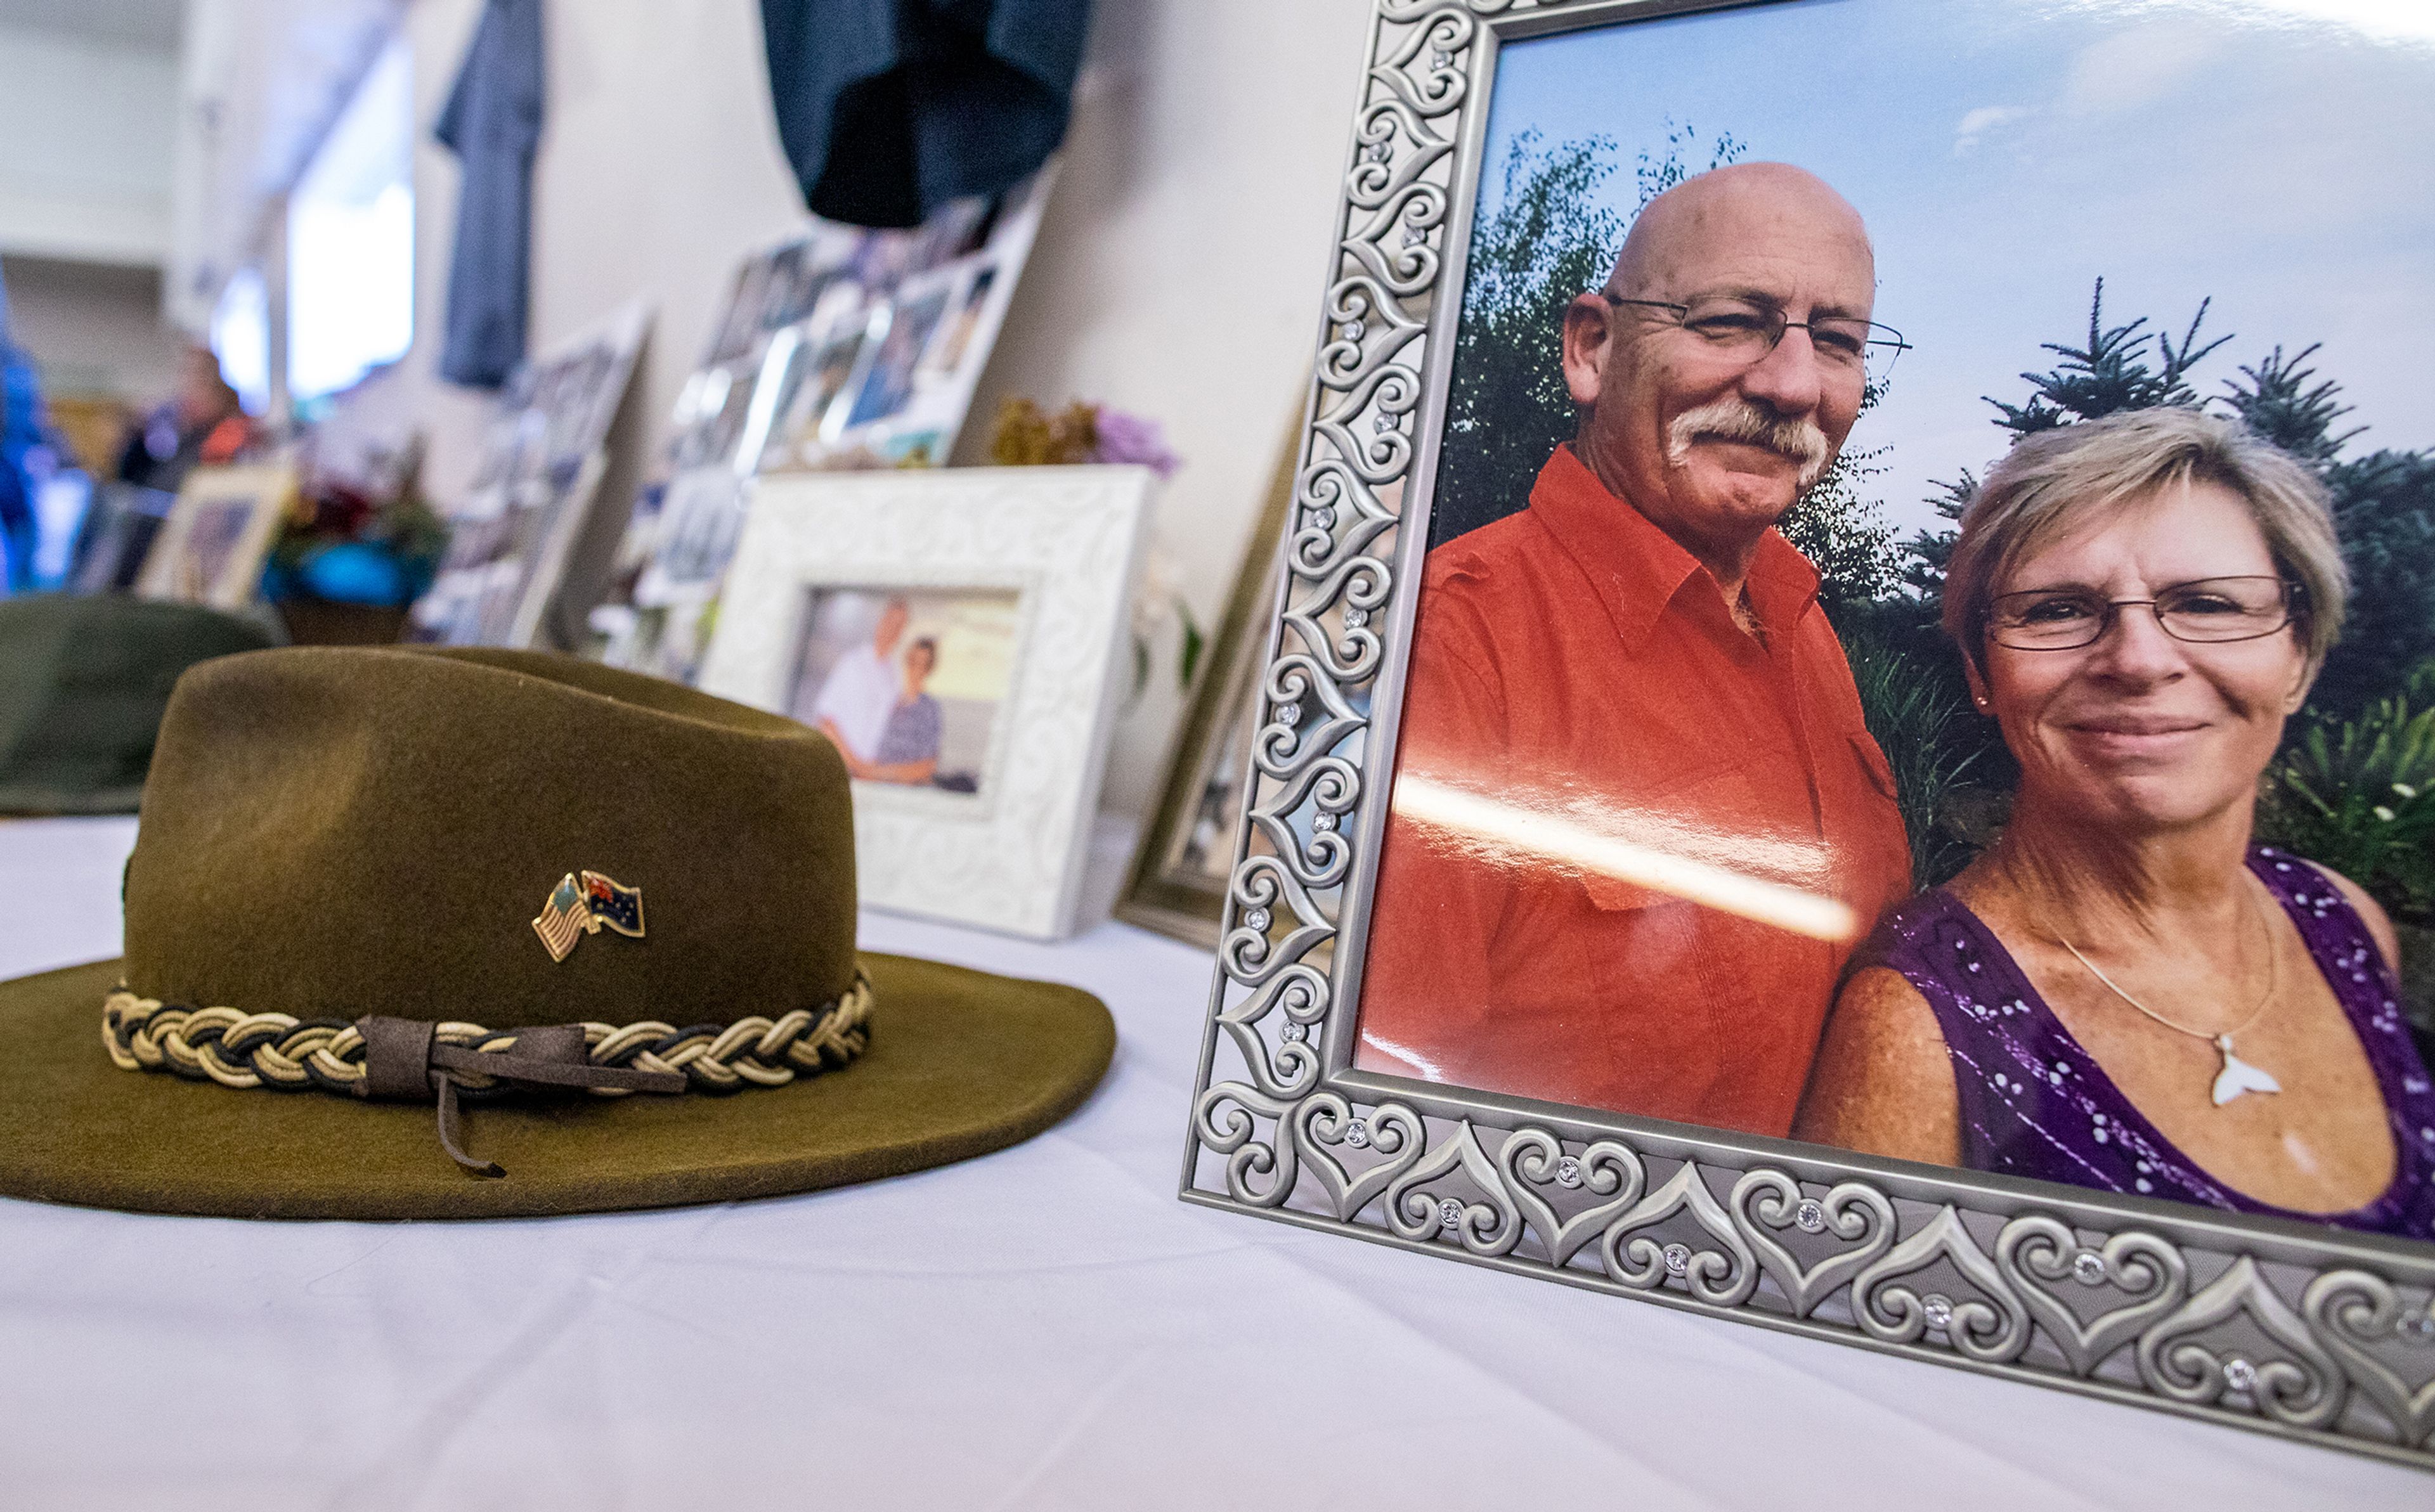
(1178, 273)
(93, 329)
(85, 133)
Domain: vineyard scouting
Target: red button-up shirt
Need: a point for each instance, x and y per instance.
(1580, 691)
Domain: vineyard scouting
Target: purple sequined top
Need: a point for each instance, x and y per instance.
(2035, 1104)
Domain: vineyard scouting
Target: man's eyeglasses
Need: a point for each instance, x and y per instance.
(2209, 611)
(1746, 331)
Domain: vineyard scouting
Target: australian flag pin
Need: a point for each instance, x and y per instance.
(577, 909)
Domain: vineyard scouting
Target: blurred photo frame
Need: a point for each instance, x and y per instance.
(118, 535)
(212, 545)
(1019, 580)
(1490, 181)
(512, 536)
(1177, 883)
(802, 345)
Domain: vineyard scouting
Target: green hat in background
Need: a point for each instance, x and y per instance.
(364, 875)
(83, 683)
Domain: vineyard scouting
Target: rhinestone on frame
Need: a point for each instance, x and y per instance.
(1322, 518)
(1323, 823)
(2240, 1374)
(1357, 1134)
(1257, 918)
(1356, 618)
(2419, 1327)
(1937, 1309)
(1568, 1172)
(1811, 1217)
(1289, 714)
(1295, 1034)
(1385, 423)
(1415, 235)
(2088, 1267)
(1354, 330)
(1442, 59)
(1678, 1260)
(1450, 1213)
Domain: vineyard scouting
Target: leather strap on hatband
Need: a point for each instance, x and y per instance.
(404, 1062)
(412, 1060)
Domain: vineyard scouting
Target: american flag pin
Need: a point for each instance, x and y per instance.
(577, 909)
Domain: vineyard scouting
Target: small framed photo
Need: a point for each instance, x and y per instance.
(1844, 735)
(961, 636)
(910, 683)
(1178, 884)
(211, 548)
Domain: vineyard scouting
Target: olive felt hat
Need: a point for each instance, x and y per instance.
(358, 869)
(83, 681)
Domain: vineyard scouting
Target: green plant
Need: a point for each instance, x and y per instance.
(2359, 796)
(1921, 724)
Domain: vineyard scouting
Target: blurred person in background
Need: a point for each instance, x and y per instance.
(203, 424)
(20, 434)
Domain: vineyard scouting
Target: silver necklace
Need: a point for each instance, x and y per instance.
(2238, 1075)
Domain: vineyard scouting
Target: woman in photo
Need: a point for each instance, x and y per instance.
(2124, 992)
(908, 745)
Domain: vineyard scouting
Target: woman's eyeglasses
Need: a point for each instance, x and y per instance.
(2207, 612)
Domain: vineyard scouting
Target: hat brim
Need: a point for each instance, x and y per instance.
(961, 1063)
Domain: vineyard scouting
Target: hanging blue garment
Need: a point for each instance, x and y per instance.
(492, 123)
(888, 109)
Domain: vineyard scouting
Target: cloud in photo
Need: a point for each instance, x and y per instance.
(2138, 67)
(1978, 124)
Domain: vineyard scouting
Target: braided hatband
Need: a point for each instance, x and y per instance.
(286, 1053)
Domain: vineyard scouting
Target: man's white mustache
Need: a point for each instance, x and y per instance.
(1736, 420)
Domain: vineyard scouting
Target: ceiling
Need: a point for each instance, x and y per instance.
(144, 25)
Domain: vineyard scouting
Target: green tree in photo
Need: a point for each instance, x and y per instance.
(1507, 407)
(2123, 367)
(2384, 510)
(1929, 552)
(2281, 402)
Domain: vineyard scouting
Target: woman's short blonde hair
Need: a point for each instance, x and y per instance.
(2054, 481)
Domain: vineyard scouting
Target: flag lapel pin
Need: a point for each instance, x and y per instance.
(577, 909)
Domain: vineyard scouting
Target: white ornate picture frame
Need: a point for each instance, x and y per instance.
(1066, 542)
(2307, 1332)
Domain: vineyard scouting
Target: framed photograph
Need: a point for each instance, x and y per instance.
(961, 636)
(1845, 737)
(1177, 883)
(895, 389)
(211, 547)
(536, 485)
(118, 535)
(839, 349)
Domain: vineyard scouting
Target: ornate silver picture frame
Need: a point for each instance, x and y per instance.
(2303, 1332)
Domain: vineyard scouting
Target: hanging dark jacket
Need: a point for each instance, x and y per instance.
(887, 109)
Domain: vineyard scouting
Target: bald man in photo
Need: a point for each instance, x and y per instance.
(1638, 822)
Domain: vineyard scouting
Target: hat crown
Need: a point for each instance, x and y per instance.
(332, 832)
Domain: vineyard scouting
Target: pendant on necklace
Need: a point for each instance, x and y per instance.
(2238, 1075)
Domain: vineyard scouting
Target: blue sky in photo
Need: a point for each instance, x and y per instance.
(2278, 155)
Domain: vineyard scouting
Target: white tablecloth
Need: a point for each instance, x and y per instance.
(1045, 1327)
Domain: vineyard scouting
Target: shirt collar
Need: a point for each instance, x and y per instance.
(1639, 572)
